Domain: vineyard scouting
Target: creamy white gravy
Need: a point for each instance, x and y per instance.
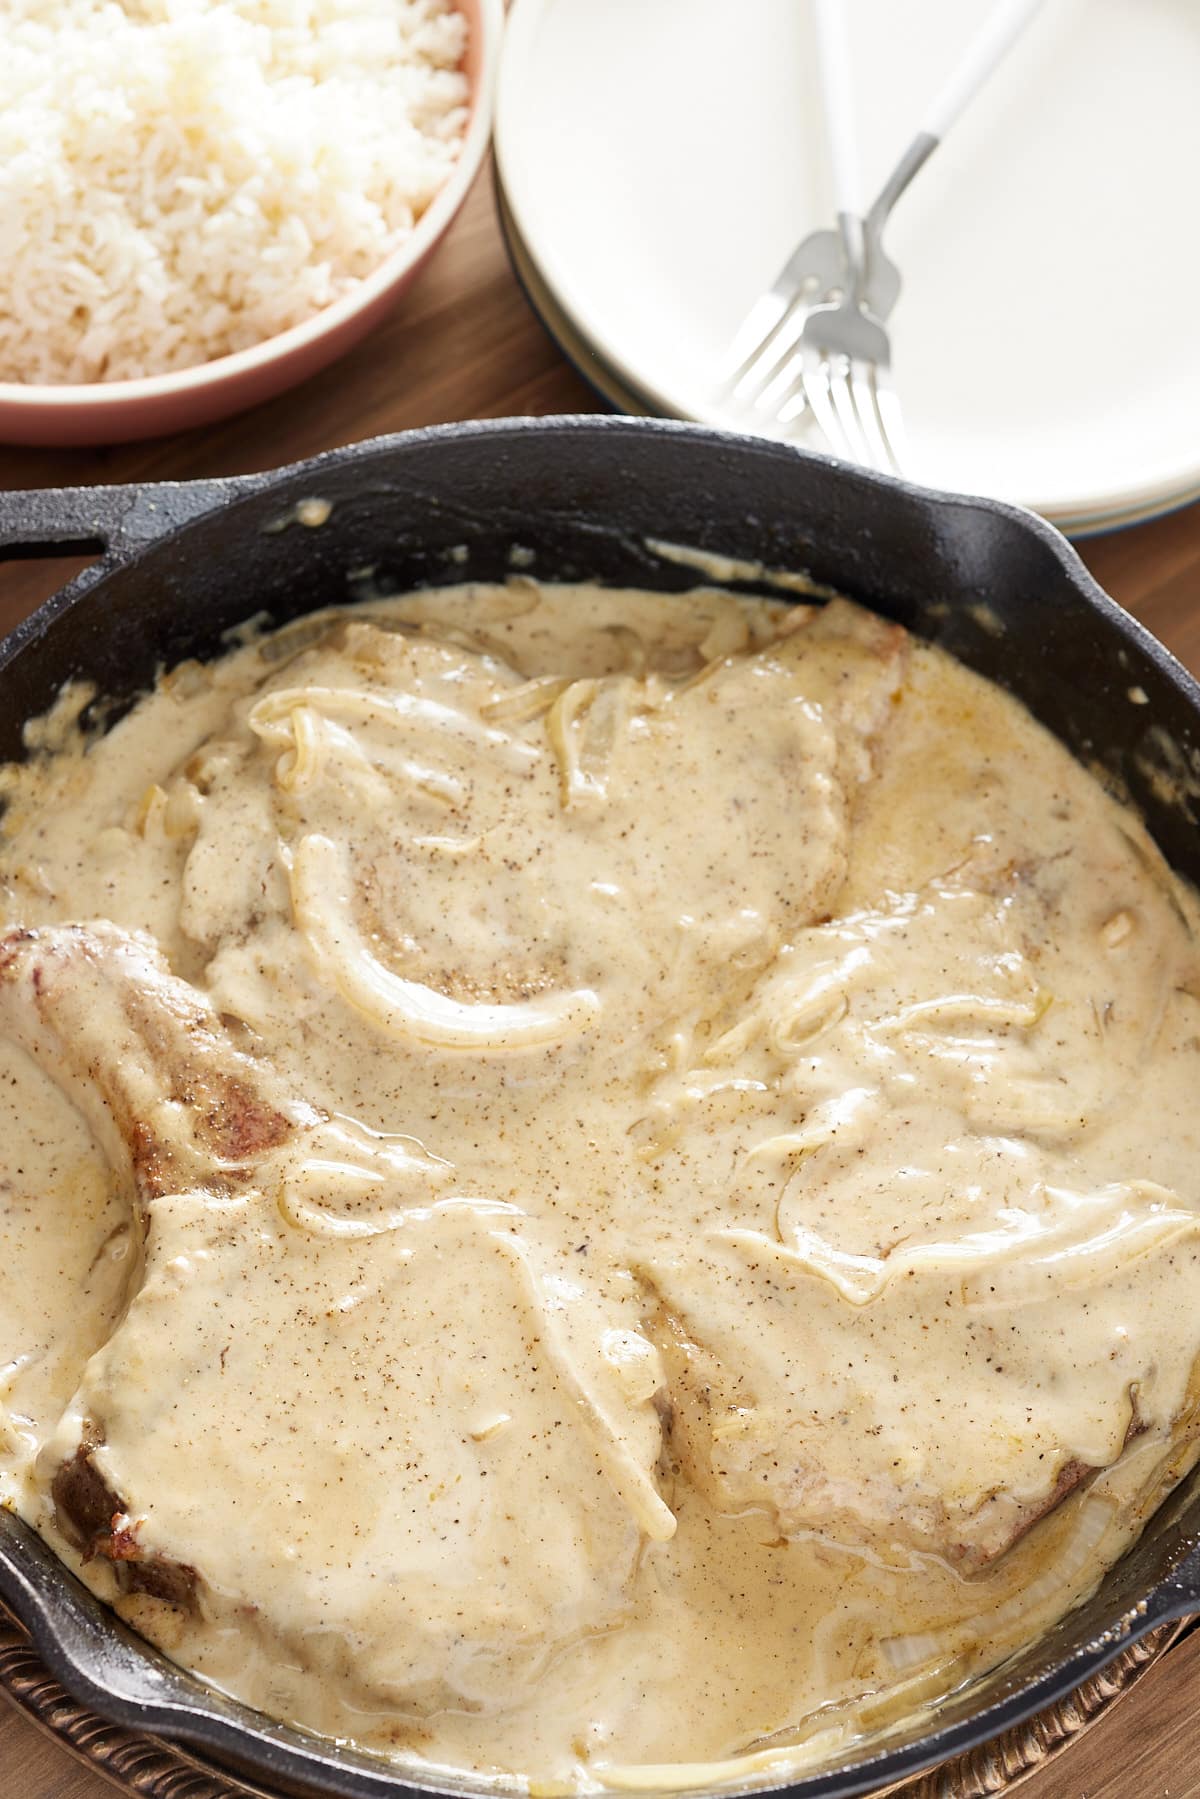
(735, 1169)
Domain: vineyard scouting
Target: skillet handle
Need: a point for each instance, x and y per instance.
(104, 521)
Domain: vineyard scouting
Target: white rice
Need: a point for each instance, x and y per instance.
(184, 178)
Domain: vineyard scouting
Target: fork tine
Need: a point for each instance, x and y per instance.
(845, 401)
(773, 353)
(753, 334)
(781, 385)
(818, 386)
(891, 419)
(864, 382)
(795, 406)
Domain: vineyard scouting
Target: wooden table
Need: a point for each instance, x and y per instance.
(463, 344)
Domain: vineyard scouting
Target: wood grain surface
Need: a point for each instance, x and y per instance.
(463, 344)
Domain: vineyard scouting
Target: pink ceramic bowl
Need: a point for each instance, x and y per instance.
(118, 411)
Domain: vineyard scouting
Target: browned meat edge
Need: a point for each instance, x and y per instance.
(94, 1520)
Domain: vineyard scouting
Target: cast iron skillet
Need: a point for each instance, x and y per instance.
(580, 497)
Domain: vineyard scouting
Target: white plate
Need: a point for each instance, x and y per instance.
(662, 157)
(598, 373)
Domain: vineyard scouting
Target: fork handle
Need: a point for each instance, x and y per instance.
(999, 32)
(841, 137)
(837, 97)
(914, 158)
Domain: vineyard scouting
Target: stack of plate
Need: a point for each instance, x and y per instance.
(659, 159)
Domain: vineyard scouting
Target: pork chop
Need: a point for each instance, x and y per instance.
(324, 1407)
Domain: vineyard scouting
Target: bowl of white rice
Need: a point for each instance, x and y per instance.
(202, 202)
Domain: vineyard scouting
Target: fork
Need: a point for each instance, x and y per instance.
(815, 341)
(840, 371)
